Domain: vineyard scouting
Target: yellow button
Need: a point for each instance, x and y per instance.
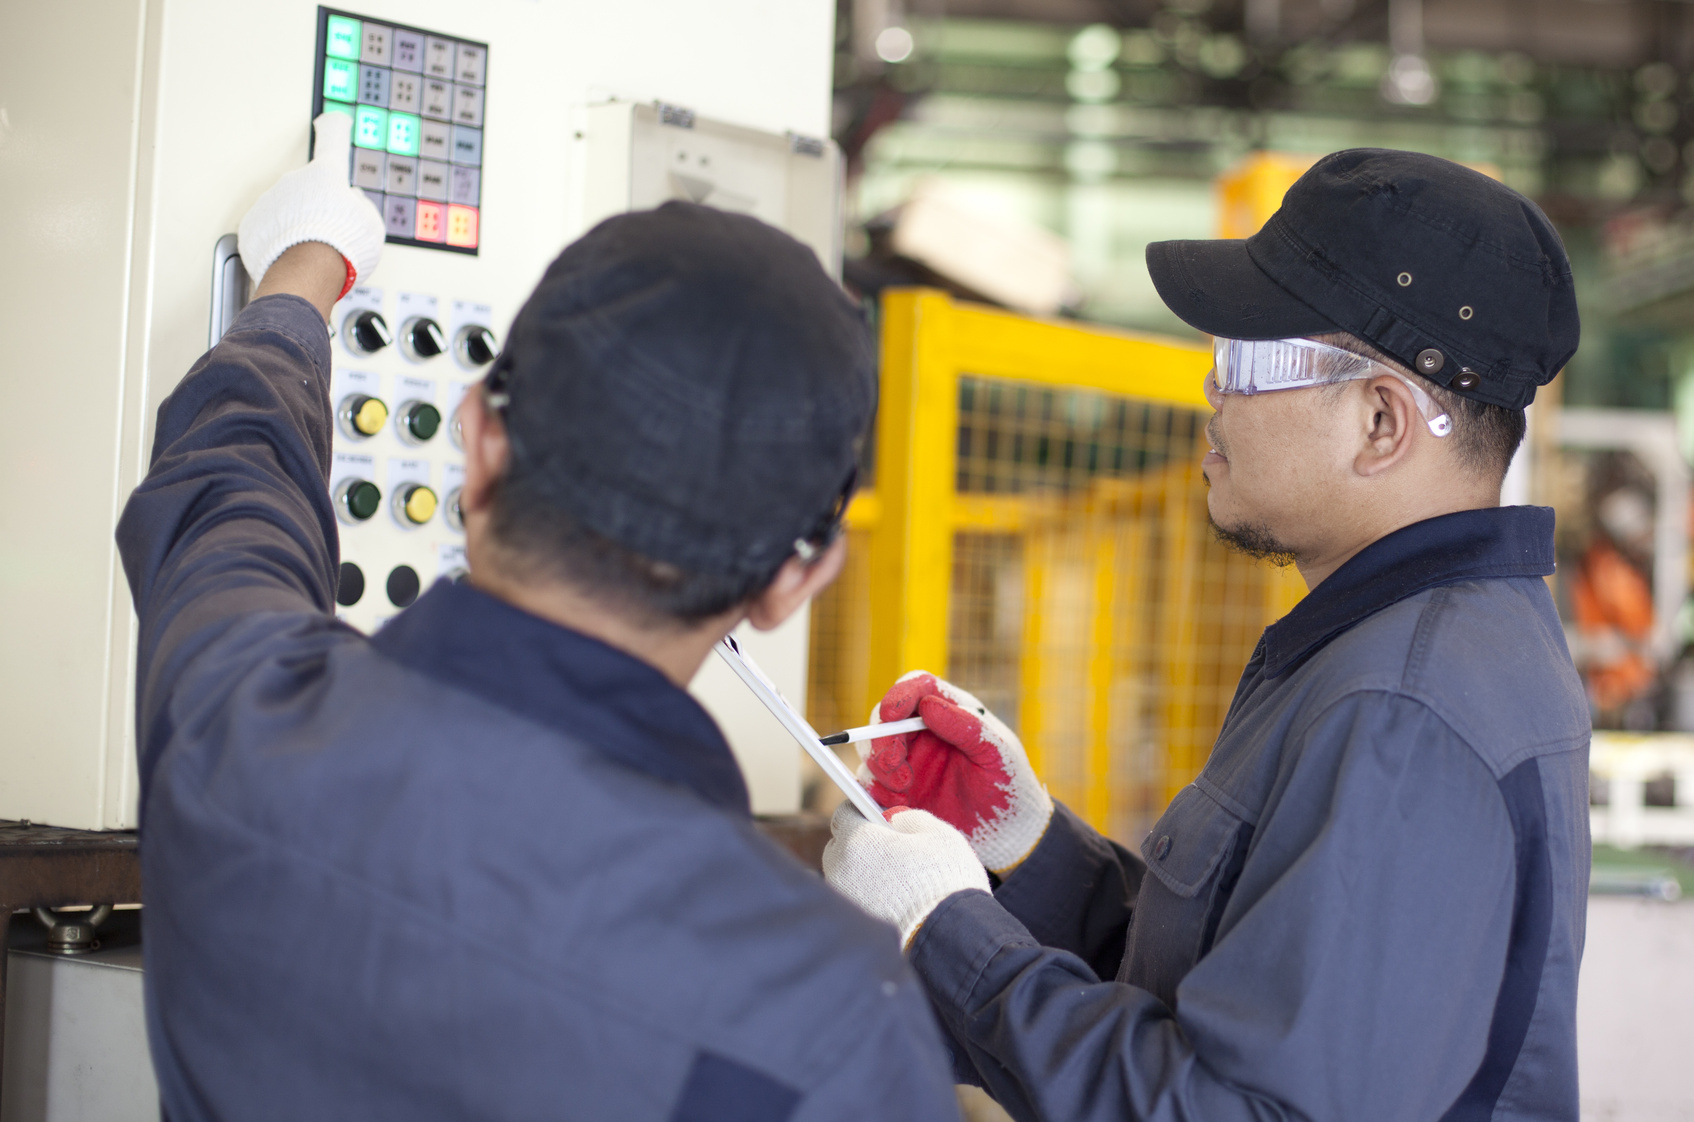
(370, 418)
(420, 505)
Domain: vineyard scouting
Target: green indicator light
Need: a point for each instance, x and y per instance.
(403, 134)
(370, 127)
(342, 39)
(341, 80)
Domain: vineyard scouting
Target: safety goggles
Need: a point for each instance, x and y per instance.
(1263, 365)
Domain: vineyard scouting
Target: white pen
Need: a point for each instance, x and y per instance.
(873, 732)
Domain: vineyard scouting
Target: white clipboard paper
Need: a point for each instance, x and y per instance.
(748, 671)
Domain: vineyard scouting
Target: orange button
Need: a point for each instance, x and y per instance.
(461, 226)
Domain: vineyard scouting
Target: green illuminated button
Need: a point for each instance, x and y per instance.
(370, 127)
(341, 80)
(359, 499)
(403, 134)
(422, 421)
(342, 38)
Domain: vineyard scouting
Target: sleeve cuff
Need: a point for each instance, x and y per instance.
(958, 941)
(291, 316)
(1057, 877)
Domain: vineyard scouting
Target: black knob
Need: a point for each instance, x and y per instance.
(356, 500)
(351, 587)
(366, 332)
(403, 585)
(421, 338)
(418, 420)
(477, 346)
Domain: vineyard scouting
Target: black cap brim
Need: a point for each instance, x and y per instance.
(1214, 286)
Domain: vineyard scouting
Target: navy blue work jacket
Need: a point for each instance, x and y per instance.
(1370, 904)
(477, 866)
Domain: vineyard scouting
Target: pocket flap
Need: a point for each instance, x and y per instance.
(1189, 842)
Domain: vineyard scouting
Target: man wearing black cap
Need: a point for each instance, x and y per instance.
(494, 862)
(1370, 904)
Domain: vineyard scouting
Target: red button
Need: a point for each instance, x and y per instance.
(432, 222)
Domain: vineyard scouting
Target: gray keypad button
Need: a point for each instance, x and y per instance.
(403, 91)
(368, 169)
(467, 183)
(467, 106)
(438, 58)
(406, 51)
(467, 146)
(375, 46)
(473, 63)
(373, 85)
(435, 140)
(437, 99)
(402, 175)
(400, 215)
(432, 180)
(376, 199)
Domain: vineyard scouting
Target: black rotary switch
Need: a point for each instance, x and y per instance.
(366, 332)
(350, 589)
(421, 339)
(475, 346)
(403, 585)
(356, 500)
(417, 421)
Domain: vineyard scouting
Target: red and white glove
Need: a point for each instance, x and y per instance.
(315, 204)
(899, 875)
(966, 768)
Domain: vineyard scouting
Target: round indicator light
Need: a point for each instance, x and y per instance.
(357, 500)
(361, 415)
(417, 503)
(350, 589)
(403, 585)
(452, 511)
(419, 421)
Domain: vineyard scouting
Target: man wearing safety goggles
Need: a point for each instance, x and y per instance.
(1370, 903)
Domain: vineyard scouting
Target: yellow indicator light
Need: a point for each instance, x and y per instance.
(420, 505)
(371, 416)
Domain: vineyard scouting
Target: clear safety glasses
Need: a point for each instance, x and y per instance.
(1263, 365)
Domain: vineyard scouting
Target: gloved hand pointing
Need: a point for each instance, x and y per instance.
(967, 768)
(315, 204)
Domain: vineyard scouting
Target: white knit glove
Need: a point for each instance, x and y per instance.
(967, 768)
(315, 204)
(899, 875)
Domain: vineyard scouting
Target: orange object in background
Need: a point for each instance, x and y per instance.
(1610, 595)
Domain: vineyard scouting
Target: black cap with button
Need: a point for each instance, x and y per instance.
(1454, 274)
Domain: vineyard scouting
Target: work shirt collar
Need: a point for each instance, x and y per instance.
(1506, 541)
(579, 687)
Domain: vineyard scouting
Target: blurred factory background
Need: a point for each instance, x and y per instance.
(1009, 160)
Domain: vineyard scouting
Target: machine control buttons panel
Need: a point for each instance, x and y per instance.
(417, 100)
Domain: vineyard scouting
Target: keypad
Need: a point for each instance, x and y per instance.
(418, 103)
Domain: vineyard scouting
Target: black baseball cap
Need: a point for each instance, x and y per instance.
(1454, 274)
(691, 385)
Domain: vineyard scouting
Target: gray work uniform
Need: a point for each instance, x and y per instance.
(474, 866)
(1370, 904)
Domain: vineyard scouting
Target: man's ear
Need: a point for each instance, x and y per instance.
(486, 451)
(796, 582)
(1392, 419)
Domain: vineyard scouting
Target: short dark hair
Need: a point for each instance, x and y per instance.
(540, 539)
(1485, 436)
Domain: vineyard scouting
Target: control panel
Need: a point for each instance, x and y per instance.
(416, 100)
(401, 365)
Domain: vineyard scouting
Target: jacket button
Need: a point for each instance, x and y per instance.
(1162, 848)
(1466, 381)
(1430, 361)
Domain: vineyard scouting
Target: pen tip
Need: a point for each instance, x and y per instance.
(834, 738)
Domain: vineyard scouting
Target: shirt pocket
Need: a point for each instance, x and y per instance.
(1194, 856)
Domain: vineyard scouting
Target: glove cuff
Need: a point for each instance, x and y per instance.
(1013, 834)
